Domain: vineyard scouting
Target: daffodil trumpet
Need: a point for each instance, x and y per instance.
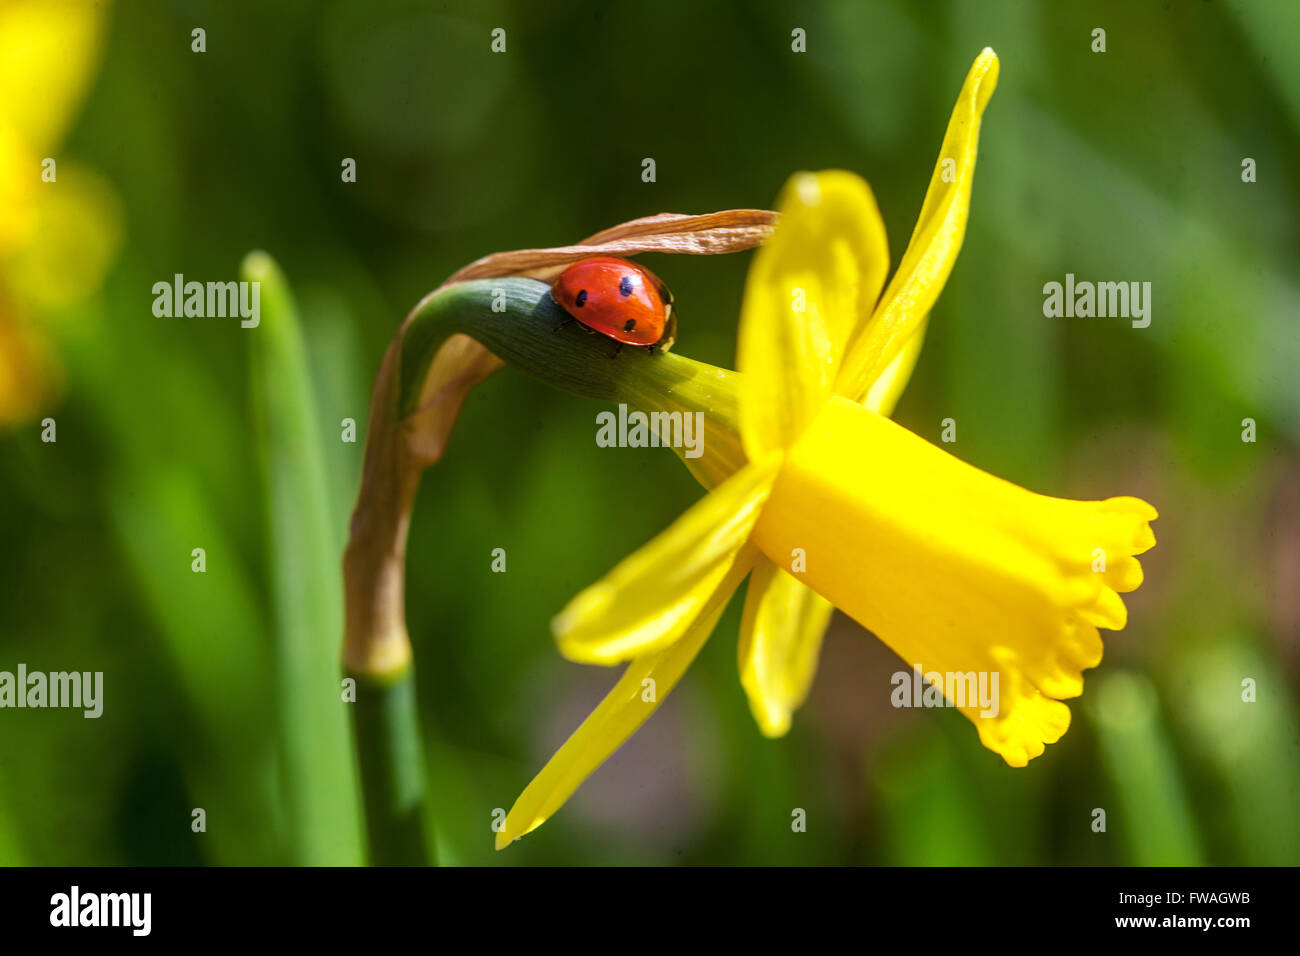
(834, 505)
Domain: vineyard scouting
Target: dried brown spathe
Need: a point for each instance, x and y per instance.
(398, 450)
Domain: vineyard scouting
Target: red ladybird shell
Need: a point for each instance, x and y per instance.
(617, 298)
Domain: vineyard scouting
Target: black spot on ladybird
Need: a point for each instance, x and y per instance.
(625, 285)
(631, 324)
(581, 300)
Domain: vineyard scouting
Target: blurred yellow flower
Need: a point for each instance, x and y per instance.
(956, 570)
(61, 223)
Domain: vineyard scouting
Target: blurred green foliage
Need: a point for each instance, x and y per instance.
(1124, 165)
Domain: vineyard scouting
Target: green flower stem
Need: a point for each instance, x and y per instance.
(319, 777)
(1155, 810)
(392, 768)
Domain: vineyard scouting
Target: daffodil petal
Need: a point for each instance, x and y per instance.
(30, 372)
(618, 716)
(935, 241)
(888, 388)
(809, 287)
(651, 597)
(50, 54)
(956, 570)
(19, 190)
(780, 641)
(78, 229)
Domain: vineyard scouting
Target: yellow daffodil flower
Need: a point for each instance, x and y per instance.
(837, 506)
(60, 221)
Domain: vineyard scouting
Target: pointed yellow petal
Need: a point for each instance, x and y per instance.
(935, 242)
(652, 597)
(619, 715)
(813, 282)
(888, 389)
(780, 641)
(956, 570)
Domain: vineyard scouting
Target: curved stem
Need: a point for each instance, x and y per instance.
(453, 339)
(518, 321)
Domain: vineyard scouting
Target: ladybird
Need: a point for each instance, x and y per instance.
(619, 299)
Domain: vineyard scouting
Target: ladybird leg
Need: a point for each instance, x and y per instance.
(567, 320)
(617, 348)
